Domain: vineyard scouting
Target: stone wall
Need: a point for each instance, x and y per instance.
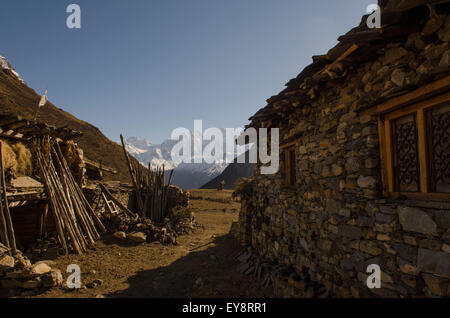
(335, 222)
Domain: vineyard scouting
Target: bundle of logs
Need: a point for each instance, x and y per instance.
(150, 188)
(7, 236)
(76, 222)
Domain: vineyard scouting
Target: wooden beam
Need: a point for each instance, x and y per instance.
(423, 153)
(343, 56)
(415, 96)
(133, 178)
(440, 99)
(383, 156)
(389, 156)
(100, 166)
(288, 144)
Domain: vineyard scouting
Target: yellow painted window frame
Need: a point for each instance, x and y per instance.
(387, 163)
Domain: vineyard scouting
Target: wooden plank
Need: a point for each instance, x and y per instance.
(389, 157)
(421, 196)
(423, 155)
(100, 166)
(288, 144)
(133, 179)
(349, 51)
(440, 99)
(415, 96)
(383, 156)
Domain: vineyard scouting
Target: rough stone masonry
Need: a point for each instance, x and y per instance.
(335, 221)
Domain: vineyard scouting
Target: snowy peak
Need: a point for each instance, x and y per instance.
(5, 65)
(139, 143)
(193, 174)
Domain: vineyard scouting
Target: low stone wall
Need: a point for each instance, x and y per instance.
(409, 240)
(18, 277)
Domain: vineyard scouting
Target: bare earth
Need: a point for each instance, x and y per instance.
(201, 265)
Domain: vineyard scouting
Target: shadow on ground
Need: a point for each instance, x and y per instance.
(202, 273)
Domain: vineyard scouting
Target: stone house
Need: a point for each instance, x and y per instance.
(364, 172)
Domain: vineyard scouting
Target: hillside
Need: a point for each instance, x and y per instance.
(232, 174)
(17, 98)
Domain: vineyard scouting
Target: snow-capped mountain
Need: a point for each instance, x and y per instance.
(4, 64)
(187, 175)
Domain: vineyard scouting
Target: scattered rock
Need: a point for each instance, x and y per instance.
(37, 270)
(120, 235)
(6, 262)
(53, 278)
(137, 237)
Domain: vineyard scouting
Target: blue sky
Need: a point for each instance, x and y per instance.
(145, 67)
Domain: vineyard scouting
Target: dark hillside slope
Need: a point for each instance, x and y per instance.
(16, 98)
(232, 174)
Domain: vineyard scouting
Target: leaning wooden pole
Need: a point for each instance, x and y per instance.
(4, 234)
(117, 202)
(12, 237)
(133, 178)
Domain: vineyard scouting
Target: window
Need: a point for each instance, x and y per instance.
(290, 166)
(415, 148)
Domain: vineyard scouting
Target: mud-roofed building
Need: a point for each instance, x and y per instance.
(364, 163)
(25, 192)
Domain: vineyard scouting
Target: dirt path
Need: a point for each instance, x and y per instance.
(201, 265)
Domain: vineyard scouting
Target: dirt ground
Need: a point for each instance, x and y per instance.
(201, 265)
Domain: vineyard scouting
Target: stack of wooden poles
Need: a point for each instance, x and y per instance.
(150, 188)
(7, 236)
(77, 224)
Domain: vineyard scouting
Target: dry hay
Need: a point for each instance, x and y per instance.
(17, 158)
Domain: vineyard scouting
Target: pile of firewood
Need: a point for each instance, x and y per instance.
(77, 224)
(150, 188)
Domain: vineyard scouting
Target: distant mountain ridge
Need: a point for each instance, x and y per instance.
(186, 175)
(232, 174)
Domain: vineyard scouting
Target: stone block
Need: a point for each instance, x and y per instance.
(415, 220)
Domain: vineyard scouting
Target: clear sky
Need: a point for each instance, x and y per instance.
(145, 67)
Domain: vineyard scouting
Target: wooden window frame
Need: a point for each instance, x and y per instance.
(287, 149)
(385, 120)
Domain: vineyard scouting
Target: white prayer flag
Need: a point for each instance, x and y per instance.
(43, 100)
